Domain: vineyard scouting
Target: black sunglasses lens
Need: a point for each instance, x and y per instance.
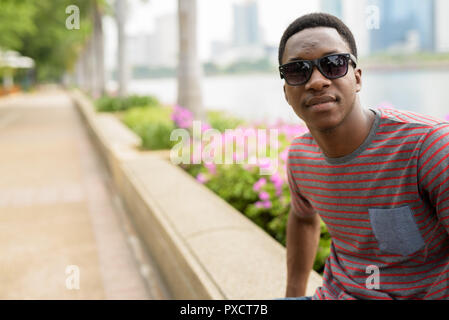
(297, 73)
(334, 66)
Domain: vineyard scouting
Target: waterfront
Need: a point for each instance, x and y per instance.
(260, 96)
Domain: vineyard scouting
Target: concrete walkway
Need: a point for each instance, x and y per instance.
(61, 227)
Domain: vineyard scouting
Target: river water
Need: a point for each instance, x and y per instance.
(260, 97)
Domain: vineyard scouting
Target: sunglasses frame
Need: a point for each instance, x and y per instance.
(316, 63)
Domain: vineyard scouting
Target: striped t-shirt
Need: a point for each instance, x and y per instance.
(386, 207)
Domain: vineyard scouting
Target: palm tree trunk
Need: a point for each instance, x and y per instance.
(99, 51)
(189, 68)
(88, 65)
(120, 14)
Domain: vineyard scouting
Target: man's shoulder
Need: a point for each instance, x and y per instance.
(390, 115)
(303, 146)
(303, 140)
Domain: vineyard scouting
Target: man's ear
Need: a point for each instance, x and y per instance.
(285, 94)
(358, 79)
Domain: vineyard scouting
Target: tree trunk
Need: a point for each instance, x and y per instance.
(99, 51)
(87, 62)
(189, 68)
(120, 15)
(79, 76)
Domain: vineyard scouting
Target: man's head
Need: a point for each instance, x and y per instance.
(322, 102)
(314, 20)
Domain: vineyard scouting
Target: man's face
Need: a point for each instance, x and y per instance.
(311, 44)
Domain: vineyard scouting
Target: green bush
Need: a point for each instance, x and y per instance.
(113, 104)
(221, 120)
(267, 204)
(235, 184)
(153, 125)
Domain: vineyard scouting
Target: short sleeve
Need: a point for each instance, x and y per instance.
(300, 206)
(433, 170)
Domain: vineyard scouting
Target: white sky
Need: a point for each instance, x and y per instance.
(215, 18)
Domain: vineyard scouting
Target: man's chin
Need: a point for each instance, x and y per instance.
(324, 126)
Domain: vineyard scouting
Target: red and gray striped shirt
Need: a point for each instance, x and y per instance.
(386, 206)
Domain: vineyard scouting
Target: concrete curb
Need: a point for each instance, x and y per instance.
(204, 248)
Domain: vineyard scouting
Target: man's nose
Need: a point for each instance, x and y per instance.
(317, 81)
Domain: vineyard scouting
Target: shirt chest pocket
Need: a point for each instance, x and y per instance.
(395, 230)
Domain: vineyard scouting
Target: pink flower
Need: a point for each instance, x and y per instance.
(264, 163)
(259, 184)
(205, 126)
(278, 182)
(263, 204)
(276, 179)
(211, 167)
(182, 117)
(201, 178)
(267, 204)
(236, 157)
(284, 155)
(264, 196)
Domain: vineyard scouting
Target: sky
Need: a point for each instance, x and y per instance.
(215, 19)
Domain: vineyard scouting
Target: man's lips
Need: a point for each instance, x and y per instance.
(320, 100)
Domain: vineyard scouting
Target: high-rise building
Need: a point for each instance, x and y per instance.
(352, 13)
(247, 41)
(405, 26)
(246, 24)
(166, 40)
(158, 49)
(138, 48)
(441, 26)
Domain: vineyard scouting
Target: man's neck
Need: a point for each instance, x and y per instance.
(348, 136)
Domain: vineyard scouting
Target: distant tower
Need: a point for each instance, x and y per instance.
(352, 13)
(246, 24)
(441, 26)
(404, 25)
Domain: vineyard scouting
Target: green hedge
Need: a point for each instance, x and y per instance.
(266, 204)
(235, 184)
(113, 104)
(153, 125)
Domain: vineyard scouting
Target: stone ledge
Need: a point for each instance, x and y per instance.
(204, 248)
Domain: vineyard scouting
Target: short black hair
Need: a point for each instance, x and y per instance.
(314, 20)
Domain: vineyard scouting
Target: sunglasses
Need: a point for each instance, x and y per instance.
(333, 66)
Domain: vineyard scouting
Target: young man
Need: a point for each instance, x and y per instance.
(378, 178)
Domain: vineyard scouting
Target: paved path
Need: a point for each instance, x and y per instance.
(59, 218)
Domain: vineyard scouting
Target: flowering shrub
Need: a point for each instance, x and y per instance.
(182, 117)
(263, 199)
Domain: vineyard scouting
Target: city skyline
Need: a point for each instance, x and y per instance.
(221, 19)
(215, 20)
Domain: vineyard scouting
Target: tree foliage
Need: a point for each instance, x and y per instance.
(37, 29)
(16, 21)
